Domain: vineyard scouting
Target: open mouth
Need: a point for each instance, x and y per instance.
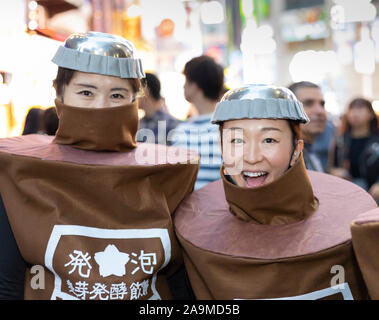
(254, 179)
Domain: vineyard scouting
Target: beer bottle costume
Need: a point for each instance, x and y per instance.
(90, 208)
(306, 235)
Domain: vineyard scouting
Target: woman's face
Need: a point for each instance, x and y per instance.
(257, 151)
(91, 90)
(359, 116)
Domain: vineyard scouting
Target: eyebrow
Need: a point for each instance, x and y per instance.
(85, 85)
(94, 87)
(119, 89)
(270, 128)
(263, 129)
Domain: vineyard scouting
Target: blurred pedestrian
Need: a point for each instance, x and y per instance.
(322, 145)
(49, 121)
(204, 85)
(32, 121)
(370, 169)
(156, 118)
(359, 133)
(312, 98)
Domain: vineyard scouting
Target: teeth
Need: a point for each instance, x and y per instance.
(254, 174)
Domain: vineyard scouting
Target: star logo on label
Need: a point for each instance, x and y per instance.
(111, 261)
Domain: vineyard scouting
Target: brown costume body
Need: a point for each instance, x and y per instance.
(287, 239)
(98, 222)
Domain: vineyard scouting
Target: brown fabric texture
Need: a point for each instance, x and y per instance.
(255, 204)
(101, 229)
(365, 234)
(219, 277)
(227, 257)
(40, 146)
(97, 129)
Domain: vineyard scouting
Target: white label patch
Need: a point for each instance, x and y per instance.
(139, 266)
(343, 288)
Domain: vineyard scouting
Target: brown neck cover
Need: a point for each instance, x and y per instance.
(263, 205)
(105, 129)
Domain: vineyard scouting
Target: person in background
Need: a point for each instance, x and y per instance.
(32, 121)
(49, 121)
(156, 118)
(203, 87)
(359, 134)
(322, 146)
(311, 96)
(370, 166)
(192, 112)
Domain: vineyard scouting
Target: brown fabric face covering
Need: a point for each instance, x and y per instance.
(105, 129)
(268, 204)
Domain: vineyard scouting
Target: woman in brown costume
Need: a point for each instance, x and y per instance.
(87, 214)
(270, 229)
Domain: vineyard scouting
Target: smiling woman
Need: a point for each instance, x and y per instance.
(269, 228)
(264, 150)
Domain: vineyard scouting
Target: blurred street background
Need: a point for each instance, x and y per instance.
(334, 43)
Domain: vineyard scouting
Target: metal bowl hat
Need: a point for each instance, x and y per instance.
(101, 53)
(257, 101)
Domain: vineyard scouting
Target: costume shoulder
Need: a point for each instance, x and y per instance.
(340, 202)
(160, 163)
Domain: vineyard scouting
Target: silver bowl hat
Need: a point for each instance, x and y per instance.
(258, 101)
(101, 53)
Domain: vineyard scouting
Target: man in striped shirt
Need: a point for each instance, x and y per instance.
(203, 88)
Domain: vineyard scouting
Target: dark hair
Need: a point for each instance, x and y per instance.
(62, 79)
(361, 102)
(32, 121)
(302, 84)
(296, 131)
(65, 75)
(152, 83)
(207, 74)
(50, 121)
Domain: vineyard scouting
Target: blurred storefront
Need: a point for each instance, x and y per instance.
(27, 46)
(257, 41)
(329, 42)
